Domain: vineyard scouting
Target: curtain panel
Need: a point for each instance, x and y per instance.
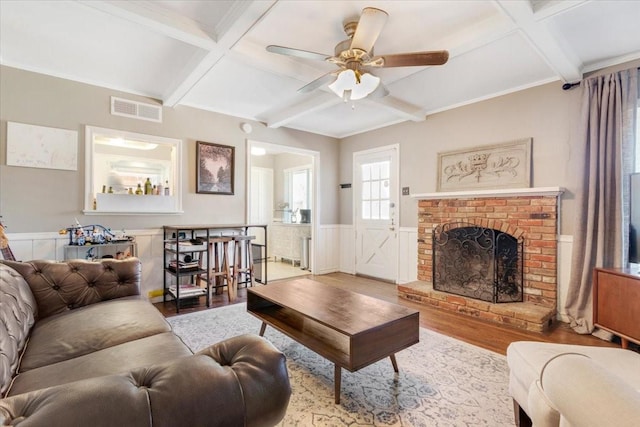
(607, 131)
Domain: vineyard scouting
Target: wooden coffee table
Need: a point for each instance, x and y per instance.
(349, 329)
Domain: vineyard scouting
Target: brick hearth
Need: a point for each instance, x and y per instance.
(528, 213)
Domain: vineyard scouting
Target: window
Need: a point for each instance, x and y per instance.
(375, 190)
(297, 183)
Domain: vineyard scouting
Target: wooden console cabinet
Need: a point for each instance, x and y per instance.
(616, 303)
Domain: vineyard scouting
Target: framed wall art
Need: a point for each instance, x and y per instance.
(506, 165)
(34, 146)
(214, 168)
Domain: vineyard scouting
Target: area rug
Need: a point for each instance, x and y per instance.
(442, 381)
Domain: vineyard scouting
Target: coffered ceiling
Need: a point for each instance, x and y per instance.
(211, 54)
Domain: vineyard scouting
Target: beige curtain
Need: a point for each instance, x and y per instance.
(608, 116)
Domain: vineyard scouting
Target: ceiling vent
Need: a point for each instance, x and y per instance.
(136, 110)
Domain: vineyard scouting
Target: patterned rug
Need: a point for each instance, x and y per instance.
(442, 381)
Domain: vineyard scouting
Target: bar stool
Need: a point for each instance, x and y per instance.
(242, 260)
(218, 265)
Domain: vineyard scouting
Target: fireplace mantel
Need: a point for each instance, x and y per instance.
(505, 192)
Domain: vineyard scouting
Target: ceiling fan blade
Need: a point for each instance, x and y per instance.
(437, 57)
(380, 92)
(320, 81)
(369, 27)
(297, 52)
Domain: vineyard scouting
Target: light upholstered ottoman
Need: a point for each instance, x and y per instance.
(600, 369)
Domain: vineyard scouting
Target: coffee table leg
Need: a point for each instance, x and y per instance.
(337, 378)
(393, 362)
(262, 328)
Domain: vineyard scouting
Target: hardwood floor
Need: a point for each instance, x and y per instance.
(474, 331)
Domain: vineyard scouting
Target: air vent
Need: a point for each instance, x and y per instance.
(136, 110)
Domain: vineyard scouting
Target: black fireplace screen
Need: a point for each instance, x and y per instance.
(477, 262)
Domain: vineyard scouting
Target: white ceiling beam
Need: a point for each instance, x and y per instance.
(314, 102)
(240, 19)
(158, 20)
(398, 107)
(565, 65)
(555, 7)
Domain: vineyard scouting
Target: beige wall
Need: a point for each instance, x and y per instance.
(546, 113)
(35, 200)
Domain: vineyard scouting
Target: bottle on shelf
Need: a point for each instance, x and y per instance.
(139, 189)
(148, 188)
(130, 190)
(110, 190)
(166, 188)
(160, 189)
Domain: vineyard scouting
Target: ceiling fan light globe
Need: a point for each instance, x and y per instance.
(347, 82)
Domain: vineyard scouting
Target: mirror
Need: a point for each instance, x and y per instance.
(131, 173)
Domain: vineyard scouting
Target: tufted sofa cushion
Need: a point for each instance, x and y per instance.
(17, 315)
(62, 286)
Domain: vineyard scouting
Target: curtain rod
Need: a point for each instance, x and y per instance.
(568, 86)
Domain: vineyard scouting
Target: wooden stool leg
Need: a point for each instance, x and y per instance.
(216, 269)
(231, 288)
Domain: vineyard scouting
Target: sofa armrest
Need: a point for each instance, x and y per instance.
(62, 286)
(240, 381)
(586, 394)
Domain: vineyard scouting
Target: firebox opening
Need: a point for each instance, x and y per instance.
(478, 262)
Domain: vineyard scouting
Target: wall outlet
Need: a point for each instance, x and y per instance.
(405, 191)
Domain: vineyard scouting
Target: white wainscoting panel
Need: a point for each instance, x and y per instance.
(407, 254)
(327, 247)
(565, 250)
(347, 248)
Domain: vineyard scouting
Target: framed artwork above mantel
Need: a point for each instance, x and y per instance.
(505, 165)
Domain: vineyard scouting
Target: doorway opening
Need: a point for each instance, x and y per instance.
(283, 194)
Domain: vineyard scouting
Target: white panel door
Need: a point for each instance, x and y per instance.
(375, 177)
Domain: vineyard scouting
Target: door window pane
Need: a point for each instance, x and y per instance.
(384, 209)
(366, 190)
(384, 190)
(366, 172)
(375, 191)
(366, 210)
(375, 210)
(384, 170)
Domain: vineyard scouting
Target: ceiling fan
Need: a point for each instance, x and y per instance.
(355, 58)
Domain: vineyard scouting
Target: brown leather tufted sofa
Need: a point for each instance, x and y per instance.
(79, 347)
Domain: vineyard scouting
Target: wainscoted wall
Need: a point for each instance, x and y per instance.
(30, 246)
(327, 247)
(565, 247)
(347, 249)
(407, 252)
(336, 252)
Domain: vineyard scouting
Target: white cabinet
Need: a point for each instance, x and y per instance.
(285, 240)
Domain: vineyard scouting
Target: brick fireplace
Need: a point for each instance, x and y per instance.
(530, 215)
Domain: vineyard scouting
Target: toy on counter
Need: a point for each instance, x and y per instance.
(80, 235)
